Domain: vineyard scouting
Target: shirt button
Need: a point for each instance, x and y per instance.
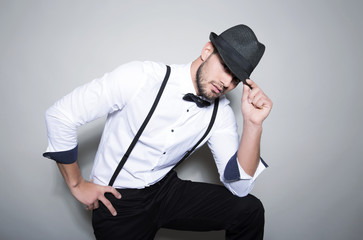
(187, 110)
(172, 130)
(164, 153)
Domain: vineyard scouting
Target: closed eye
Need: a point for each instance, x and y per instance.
(235, 80)
(226, 68)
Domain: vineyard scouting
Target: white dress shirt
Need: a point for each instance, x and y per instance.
(125, 95)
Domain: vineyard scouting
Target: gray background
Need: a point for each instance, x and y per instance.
(312, 70)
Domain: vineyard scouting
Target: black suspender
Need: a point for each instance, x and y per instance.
(214, 114)
(138, 134)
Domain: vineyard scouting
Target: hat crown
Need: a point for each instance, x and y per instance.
(245, 42)
(240, 50)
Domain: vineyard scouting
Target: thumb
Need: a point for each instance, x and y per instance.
(246, 91)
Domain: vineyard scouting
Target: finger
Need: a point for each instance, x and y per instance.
(108, 204)
(264, 102)
(251, 83)
(245, 83)
(258, 100)
(96, 204)
(259, 103)
(246, 91)
(90, 207)
(254, 94)
(113, 191)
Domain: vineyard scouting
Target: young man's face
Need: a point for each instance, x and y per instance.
(214, 78)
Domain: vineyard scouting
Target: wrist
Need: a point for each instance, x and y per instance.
(75, 183)
(250, 125)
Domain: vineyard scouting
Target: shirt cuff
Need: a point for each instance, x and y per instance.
(65, 157)
(234, 171)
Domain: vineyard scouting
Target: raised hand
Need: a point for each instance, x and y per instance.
(256, 105)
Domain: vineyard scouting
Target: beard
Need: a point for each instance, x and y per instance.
(202, 85)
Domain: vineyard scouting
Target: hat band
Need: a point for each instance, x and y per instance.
(234, 55)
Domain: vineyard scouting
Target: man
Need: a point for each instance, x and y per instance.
(146, 194)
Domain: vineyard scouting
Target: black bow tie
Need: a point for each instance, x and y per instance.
(190, 97)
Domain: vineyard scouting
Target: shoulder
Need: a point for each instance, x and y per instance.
(225, 114)
(128, 79)
(224, 104)
(136, 71)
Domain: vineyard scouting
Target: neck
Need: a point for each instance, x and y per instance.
(193, 71)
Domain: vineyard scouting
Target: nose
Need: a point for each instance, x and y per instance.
(226, 80)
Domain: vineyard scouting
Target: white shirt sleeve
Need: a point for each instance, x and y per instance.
(89, 102)
(224, 144)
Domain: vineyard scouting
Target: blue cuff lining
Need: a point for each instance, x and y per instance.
(231, 172)
(66, 157)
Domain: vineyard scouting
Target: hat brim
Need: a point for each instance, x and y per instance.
(229, 61)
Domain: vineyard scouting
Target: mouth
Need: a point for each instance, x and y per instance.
(216, 89)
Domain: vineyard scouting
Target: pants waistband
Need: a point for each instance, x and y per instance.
(169, 175)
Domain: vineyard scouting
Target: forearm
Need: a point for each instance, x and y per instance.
(71, 174)
(249, 149)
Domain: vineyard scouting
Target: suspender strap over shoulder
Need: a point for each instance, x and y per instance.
(138, 134)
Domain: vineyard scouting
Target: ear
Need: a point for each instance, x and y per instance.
(207, 51)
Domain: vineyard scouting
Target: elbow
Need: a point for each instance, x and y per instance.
(242, 193)
(240, 188)
(49, 114)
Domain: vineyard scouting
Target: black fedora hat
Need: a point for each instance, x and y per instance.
(239, 49)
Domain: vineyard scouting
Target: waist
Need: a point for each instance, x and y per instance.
(171, 174)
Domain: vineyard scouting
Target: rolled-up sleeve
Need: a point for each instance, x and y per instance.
(237, 180)
(224, 144)
(84, 104)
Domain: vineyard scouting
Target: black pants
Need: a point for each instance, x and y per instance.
(178, 204)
